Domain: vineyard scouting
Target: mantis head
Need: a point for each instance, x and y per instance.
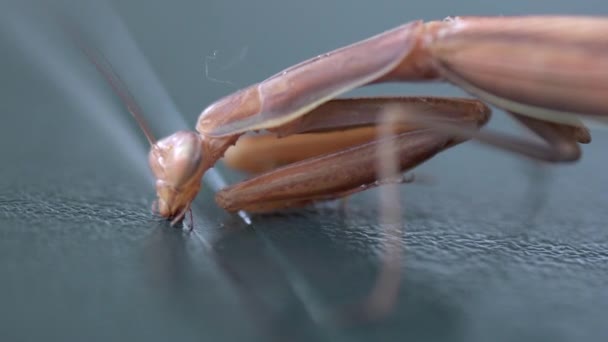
(177, 164)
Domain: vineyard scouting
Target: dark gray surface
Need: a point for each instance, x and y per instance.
(498, 249)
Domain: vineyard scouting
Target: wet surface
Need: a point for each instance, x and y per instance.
(497, 248)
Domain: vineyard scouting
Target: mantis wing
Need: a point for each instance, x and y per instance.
(303, 87)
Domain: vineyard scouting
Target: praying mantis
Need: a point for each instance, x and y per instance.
(544, 71)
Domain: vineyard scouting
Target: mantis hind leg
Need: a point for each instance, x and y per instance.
(560, 142)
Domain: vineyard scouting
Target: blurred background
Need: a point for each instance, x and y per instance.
(497, 248)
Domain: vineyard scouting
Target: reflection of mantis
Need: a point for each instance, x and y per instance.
(544, 71)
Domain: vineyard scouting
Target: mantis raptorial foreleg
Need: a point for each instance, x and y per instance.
(339, 159)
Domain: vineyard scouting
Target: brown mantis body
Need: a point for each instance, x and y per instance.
(545, 71)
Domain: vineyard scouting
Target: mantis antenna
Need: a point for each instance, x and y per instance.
(118, 86)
